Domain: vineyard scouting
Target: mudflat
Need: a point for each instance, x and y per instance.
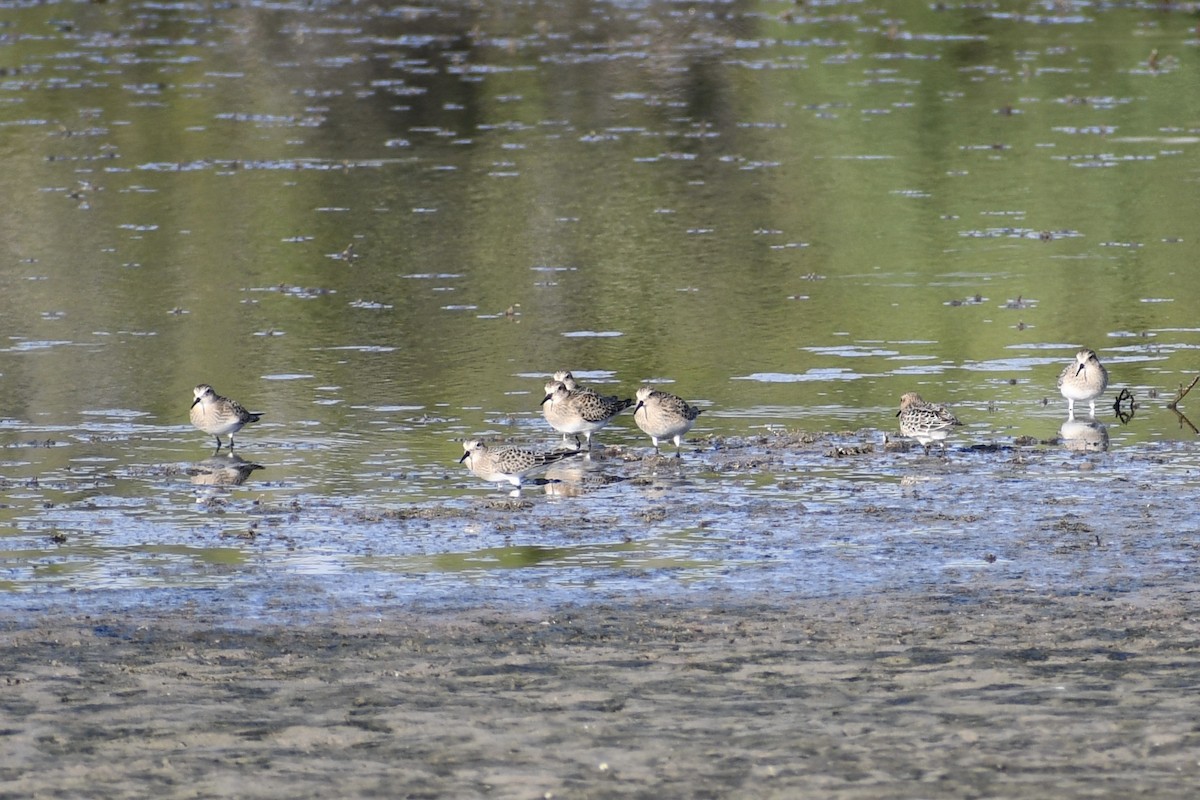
(912, 694)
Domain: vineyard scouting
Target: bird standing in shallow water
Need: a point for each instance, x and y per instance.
(506, 463)
(662, 415)
(1085, 379)
(557, 415)
(579, 410)
(925, 422)
(218, 415)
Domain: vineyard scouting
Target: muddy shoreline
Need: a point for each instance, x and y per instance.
(920, 694)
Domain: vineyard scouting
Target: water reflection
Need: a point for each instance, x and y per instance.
(1183, 420)
(1174, 406)
(383, 222)
(229, 469)
(1125, 406)
(662, 477)
(499, 558)
(581, 476)
(565, 479)
(684, 550)
(1084, 435)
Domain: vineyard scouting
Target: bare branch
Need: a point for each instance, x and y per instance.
(1184, 420)
(1183, 393)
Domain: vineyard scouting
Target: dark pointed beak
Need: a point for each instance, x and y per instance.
(901, 411)
(464, 456)
(544, 399)
(638, 407)
(1081, 366)
(193, 405)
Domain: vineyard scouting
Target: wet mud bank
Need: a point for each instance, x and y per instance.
(960, 693)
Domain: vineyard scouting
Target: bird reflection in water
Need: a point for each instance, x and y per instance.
(222, 470)
(1084, 436)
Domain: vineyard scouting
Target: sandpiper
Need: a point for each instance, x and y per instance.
(579, 410)
(1085, 379)
(567, 379)
(925, 422)
(556, 414)
(662, 415)
(215, 414)
(506, 463)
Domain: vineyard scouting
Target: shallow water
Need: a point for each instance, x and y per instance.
(384, 227)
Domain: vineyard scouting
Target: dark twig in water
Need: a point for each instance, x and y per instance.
(1182, 393)
(1183, 420)
(1123, 414)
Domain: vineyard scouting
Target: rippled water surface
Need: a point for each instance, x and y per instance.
(384, 227)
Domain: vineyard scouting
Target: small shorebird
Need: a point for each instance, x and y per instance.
(567, 379)
(579, 410)
(925, 422)
(215, 414)
(557, 415)
(505, 463)
(1084, 380)
(662, 415)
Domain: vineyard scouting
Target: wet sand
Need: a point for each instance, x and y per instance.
(971, 694)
